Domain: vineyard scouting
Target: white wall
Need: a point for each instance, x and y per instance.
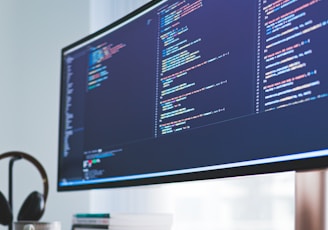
(263, 202)
(104, 12)
(32, 34)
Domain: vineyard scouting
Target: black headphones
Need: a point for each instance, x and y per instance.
(34, 205)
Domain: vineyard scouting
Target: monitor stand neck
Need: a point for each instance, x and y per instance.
(311, 200)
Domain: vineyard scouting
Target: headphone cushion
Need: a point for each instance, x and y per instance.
(32, 208)
(6, 215)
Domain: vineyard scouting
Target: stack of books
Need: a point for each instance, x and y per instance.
(122, 221)
(140, 221)
(90, 221)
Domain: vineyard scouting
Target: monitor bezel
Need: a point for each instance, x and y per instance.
(254, 169)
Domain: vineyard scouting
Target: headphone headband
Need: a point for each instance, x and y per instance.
(36, 163)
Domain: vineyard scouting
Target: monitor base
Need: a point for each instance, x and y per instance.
(311, 199)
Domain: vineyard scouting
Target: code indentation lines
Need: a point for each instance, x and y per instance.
(297, 34)
(278, 5)
(288, 82)
(306, 5)
(180, 125)
(177, 98)
(179, 13)
(285, 51)
(297, 88)
(169, 78)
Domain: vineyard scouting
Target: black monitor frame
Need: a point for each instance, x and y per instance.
(310, 137)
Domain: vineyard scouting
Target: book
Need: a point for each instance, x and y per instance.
(89, 227)
(122, 221)
(91, 219)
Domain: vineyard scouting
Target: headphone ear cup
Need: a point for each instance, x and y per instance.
(32, 208)
(6, 215)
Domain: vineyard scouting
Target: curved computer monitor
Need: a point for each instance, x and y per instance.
(183, 90)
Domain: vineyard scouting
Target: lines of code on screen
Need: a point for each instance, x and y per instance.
(184, 70)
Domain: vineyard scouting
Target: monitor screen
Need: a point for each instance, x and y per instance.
(183, 90)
